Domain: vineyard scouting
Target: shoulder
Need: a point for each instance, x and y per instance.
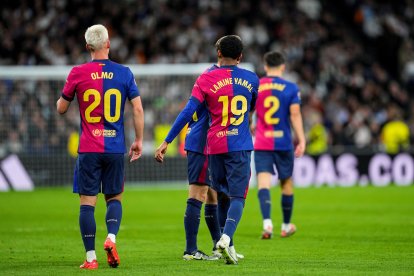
(208, 74)
(248, 73)
(119, 66)
(291, 85)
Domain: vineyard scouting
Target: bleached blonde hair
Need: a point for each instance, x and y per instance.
(96, 36)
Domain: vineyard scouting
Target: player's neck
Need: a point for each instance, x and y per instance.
(274, 73)
(227, 62)
(99, 55)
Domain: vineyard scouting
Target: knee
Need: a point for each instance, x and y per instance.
(198, 192)
(117, 197)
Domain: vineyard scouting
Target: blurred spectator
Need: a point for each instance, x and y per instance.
(348, 76)
(317, 136)
(395, 134)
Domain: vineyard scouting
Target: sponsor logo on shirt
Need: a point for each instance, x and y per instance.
(273, 134)
(224, 133)
(104, 132)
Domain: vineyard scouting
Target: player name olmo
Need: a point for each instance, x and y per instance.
(102, 75)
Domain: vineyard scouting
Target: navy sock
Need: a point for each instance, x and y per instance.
(287, 206)
(233, 216)
(222, 209)
(113, 216)
(87, 226)
(211, 216)
(191, 224)
(265, 203)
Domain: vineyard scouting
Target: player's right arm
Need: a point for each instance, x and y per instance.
(297, 124)
(185, 116)
(62, 105)
(68, 92)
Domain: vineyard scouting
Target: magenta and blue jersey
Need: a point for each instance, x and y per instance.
(101, 88)
(196, 138)
(229, 93)
(273, 132)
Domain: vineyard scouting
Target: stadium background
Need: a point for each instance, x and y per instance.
(353, 60)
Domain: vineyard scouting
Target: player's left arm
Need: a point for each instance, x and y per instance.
(62, 105)
(135, 150)
(297, 124)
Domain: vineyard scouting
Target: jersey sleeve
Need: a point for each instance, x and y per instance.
(183, 118)
(69, 90)
(197, 92)
(295, 98)
(132, 88)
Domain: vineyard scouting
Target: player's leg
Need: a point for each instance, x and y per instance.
(113, 215)
(112, 186)
(287, 228)
(211, 216)
(264, 168)
(264, 182)
(222, 209)
(284, 163)
(197, 165)
(237, 166)
(196, 196)
(86, 184)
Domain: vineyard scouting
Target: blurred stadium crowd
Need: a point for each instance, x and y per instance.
(353, 60)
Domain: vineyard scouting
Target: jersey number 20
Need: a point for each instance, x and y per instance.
(96, 101)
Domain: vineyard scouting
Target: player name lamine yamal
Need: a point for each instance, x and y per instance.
(229, 81)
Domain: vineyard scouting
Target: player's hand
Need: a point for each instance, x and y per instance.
(160, 152)
(252, 129)
(300, 149)
(135, 151)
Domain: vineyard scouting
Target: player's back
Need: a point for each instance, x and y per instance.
(229, 93)
(273, 113)
(101, 87)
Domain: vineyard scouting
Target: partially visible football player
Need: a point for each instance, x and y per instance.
(277, 109)
(102, 88)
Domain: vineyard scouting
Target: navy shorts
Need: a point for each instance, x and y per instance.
(283, 160)
(198, 172)
(230, 173)
(99, 173)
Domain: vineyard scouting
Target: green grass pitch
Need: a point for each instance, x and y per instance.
(351, 231)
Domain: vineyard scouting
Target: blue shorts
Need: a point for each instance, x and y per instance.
(283, 160)
(99, 172)
(230, 173)
(198, 172)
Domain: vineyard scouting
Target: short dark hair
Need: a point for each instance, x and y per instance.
(230, 46)
(274, 59)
